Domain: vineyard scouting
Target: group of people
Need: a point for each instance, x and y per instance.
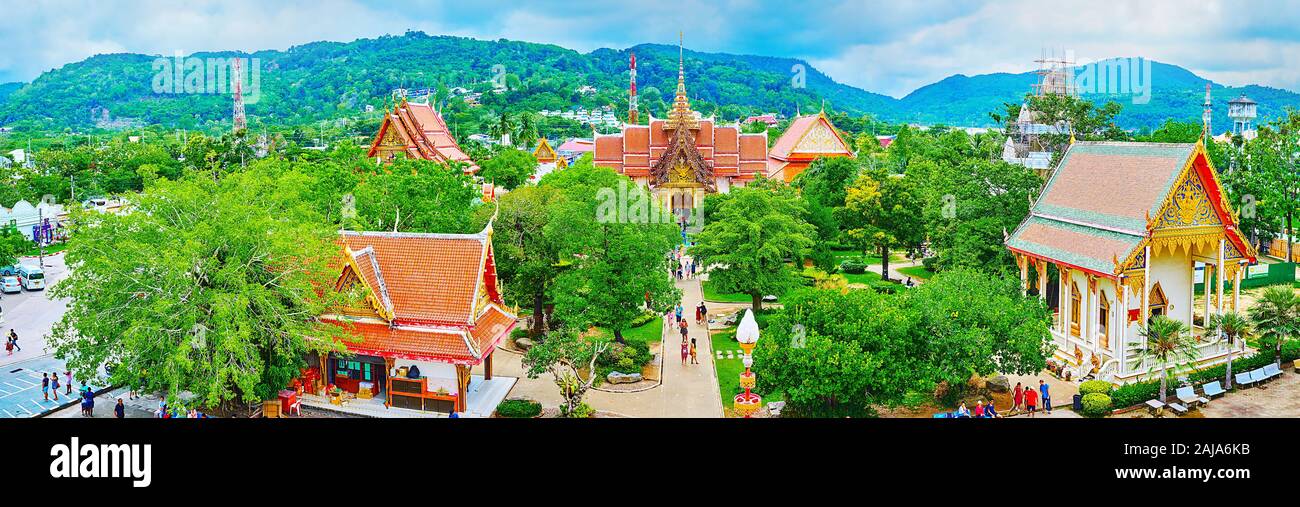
(50, 384)
(674, 319)
(165, 412)
(981, 411)
(11, 342)
(1027, 398)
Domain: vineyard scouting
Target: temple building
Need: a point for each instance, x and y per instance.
(433, 311)
(416, 130)
(683, 156)
(807, 139)
(1117, 236)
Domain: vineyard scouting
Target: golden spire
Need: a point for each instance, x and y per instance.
(681, 113)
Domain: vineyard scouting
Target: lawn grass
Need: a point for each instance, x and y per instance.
(862, 278)
(917, 272)
(647, 333)
(729, 370)
(49, 249)
(713, 296)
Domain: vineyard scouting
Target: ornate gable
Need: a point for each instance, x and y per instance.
(681, 165)
(1195, 214)
(821, 138)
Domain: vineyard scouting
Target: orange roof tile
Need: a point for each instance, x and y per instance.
(424, 277)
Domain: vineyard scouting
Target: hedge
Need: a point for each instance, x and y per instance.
(1136, 393)
(1096, 404)
(1095, 386)
(519, 409)
(853, 267)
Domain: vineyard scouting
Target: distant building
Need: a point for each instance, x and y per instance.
(417, 131)
(768, 119)
(808, 138)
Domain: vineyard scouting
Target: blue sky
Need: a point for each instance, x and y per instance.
(890, 47)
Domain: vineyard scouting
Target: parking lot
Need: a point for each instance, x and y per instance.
(31, 314)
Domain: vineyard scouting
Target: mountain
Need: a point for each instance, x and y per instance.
(324, 80)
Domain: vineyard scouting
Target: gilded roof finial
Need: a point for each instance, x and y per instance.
(681, 113)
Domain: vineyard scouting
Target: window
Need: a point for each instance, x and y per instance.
(1103, 320)
(1075, 296)
(353, 370)
(1157, 302)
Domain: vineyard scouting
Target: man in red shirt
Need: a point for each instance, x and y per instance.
(1031, 401)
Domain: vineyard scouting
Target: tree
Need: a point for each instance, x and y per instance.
(565, 355)
(509, 168)
(12, 244)
(1276, 316)
(837, 353)
(883, 211)
(205, 287)
(1235, 327)
(612, 262)
(1168, 345)
(747, 245)
(416, 196)
(527, 258)
(968, 208)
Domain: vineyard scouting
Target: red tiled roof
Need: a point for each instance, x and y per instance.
(424, 277)
(785, 145)
(450, 344)
(425, 133)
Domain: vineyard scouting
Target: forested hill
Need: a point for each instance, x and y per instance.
(327, 79)
(324, 80)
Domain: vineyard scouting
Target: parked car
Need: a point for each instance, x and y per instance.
(31, 277)
(10, 285)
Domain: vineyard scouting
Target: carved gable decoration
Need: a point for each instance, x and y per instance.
(1188, 205)
(681, 165)
(820, 139)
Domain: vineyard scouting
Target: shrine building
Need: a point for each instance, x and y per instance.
(417, 131)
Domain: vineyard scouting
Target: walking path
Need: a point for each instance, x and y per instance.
(893, 270)
(689, 390)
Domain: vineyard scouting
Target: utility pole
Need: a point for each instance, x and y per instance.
(37, 233)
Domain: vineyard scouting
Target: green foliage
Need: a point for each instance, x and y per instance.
(206, 287)
(839, 353)
(508, 167)
(415, 196)
(754, 234)
(853, 267)
(1136, 393)
(1095, 386)
(519, 409)
(1096, 404)
(1276, 317)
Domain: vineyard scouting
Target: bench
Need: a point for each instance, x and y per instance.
(1257, 376)
(1213, 389)
(1243, 379)
(1177, 408)
(1155, 406)
(1272, 371)
(1188, 395)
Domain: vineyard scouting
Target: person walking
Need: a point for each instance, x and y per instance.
(678, 311)
(54, 385)
(1031, 401)
(1047, 396)
(45, 386)
(9, 346)
(684, 329)
(13, 337)
(68, 375)
(694, 357)
(685, 351)
(1017, 397)
(119, 410)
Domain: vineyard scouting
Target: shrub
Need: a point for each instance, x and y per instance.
(884, 286)
(1136, 393)
(931, 264)
(1096, 404)
(1095, 386)
(520, 409)
(853, 267)
(644, 319)
(519, 332)
(582, 411)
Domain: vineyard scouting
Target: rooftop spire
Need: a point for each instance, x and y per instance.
(681, 113)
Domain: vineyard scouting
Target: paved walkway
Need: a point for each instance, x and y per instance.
(689, 390)
(894, 264)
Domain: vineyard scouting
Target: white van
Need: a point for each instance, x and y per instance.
(31, 277)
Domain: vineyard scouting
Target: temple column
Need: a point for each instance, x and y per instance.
(1022, 261)
(1090, 331)
(1040, 267)
(462, 385)
(487, 366)
(1236, 288)
(1209, 295)
(1218, 281)
(324, 373)
(1063, 306)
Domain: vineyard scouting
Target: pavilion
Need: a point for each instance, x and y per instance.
(415, 130)
(432, 304)
(807, 139)
(1125, 227)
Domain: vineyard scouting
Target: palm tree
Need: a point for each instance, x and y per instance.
(1235, 327)
(1167, 345)
(1277, 317)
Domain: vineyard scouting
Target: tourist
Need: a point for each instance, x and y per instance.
(694, 360)
(45, 386)
(979, 409)
(87, 402)
(703, 314)
(13, 337)
(1031, 401)
(647, 300)
(119, 410)
(685, 330)
(686, 350)
(990, 412)
(962, 411)
(68, 374)
(1047, 396)
(1017, 397)
(9, 346)
(692, 268)
(54, 385)
(678, 311)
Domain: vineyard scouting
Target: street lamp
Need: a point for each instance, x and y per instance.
(747, 403)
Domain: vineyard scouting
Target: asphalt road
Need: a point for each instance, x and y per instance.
(31, 314)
